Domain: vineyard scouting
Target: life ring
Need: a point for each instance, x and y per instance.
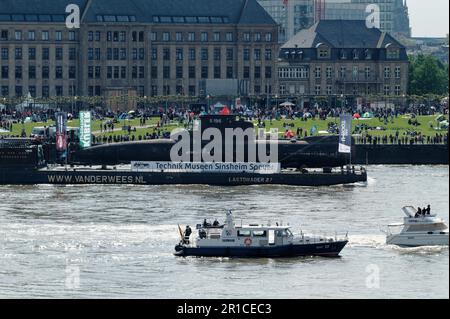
(248, 241)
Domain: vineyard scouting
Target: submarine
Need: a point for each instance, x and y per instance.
(310, 152)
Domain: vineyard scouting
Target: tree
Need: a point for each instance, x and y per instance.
(427, 75)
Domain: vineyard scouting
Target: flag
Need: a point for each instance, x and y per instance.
(345, 134)
(61, 131)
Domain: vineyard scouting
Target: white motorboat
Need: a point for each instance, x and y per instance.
(418, 230)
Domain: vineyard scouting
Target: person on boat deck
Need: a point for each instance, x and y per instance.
(216, 223)
(187, 234)
(419, 212)
(205, 223)
(429, 210)
(424, 211)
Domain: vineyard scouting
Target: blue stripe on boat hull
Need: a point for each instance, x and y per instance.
(324, 249)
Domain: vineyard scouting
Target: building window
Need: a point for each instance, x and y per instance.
(318, 72)
(141, 72)
(178, 36)
(216, 36)
(229, 72)
(45, 72)
(268, 37)
(154, 54)
(268, 72)
(393, 54)
(72, 36)
(18, 53)
(217, 54)
(179, 54)
(44, 36)
(45, 91)
(59, 53)
(58, 72)
(342, 72)
(98, 70)
(18, 35)
(268, 54)
(329, 90)
(73, 54)
(257, 54)
(31, 53)
(5, 72)
(192, 72)
(122, 36)
(229, 36)
(97, 36)
(122, 54)
(154, 72)
(397, 90)
(246, 54)
(257, 89)
(355, 55)
(387, 90)
(4, 35)
(257, 74)
(166, 72)
(398, 72)
(192, 90)
(31, 72)
(387, 72)
(153, 36)
(59, 90)
(166, 54)
(230, 54)
(368, 72)
(192, 54)
(166, 36)
(343, 55)
(109, 72)
(5, 54)
(191, 36)
(246, 73)
(204, 36)
(324, 53)
(368, 54)
(246, 36)
(72, 72)
(355, 73)
(257, 37)
(179, 72)
(204, 73)
(31, 35)
(19, 91)
(329, 72)
(154, 90)
(318, 89)
(204, 54)
(58, 36)
(5, 90)
(18, 72)
(217, 72)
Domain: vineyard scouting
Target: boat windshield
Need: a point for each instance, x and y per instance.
(428, 227)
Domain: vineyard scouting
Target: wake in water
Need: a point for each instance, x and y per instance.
(379, 242)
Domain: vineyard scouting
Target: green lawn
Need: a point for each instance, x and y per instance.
(399, 124)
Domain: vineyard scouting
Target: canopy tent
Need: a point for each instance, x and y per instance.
(225, 111)
(287, 103)
(356, 116)
(367, 115)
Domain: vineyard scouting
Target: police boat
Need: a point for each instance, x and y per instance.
(253, 241)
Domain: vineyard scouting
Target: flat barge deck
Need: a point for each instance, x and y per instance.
(123, 176)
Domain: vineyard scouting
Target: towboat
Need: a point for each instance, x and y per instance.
(253, 241)
(418, 230)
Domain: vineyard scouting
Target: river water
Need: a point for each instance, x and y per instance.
(117, 241)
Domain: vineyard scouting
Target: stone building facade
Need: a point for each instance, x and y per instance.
(342, 59)
(146, 48)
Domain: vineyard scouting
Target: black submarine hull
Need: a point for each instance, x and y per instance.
(124, 177)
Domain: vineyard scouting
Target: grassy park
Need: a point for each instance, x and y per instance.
(428, 126)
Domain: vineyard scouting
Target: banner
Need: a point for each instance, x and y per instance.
(206, 167)
(85, 129)
(345, 134)
(61, 131)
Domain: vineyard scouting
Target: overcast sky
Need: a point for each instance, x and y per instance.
(429, 18)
